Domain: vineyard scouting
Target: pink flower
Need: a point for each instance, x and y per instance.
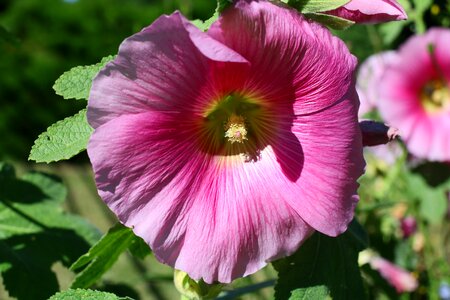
(370, 11)
(226, 150)
(368, 80)
(399, 278)
(415, 97)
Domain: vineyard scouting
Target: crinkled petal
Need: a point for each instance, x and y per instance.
(154, 68)
(231, 216)
(327, 191)
(300, 60)
(321, 69)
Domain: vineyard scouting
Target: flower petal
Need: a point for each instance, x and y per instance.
(369, 75)
(333, 161)
(291, 58)
(153, 70)
(400, 279)
(191, 207)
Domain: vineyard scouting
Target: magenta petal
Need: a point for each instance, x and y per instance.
(246, 221)
(399, 278)
(153, 68)
(327, 192)
(301, 59)
(324, 196)
(369, 76)
(370, 11)
(192, 208)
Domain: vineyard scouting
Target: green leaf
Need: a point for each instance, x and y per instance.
(80, 294)
(6, 170)
(422, 5)
(323, 266)
(32, 204)
(315, 6)
(330, 21)
(76, 83)
(9, 38)
(51, 186)
(432, 200)
(391, 31)
(35, 233)
(359, 234)
(434, 207)
(139, 248)
(62, 140)
(102, 256)
(315, 292)
(24, 191)
(204, 25)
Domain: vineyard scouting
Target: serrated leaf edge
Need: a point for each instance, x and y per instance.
(42, 135)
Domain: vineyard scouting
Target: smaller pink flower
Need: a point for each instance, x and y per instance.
(399, 278)
(415, 96)
(408, 226)
(370, 11)
(368, 80)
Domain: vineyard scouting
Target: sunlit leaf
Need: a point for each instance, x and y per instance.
(331, 21)
(204, 25)
(62, 140)
(315, 6)
(314, 292)
(76, 83)
(80, 294)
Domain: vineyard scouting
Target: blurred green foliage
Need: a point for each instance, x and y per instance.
(35, 233)
(41, 39)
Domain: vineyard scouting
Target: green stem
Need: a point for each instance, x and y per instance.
(420, 25)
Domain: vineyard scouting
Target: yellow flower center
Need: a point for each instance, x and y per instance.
(236, 124)
(236, 132)
(435, 96)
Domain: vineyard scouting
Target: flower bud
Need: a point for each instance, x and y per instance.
(408, 226)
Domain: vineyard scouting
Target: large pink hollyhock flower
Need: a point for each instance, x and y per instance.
(415, 97)
(399, 278)
(226, 150)
(370, 11)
